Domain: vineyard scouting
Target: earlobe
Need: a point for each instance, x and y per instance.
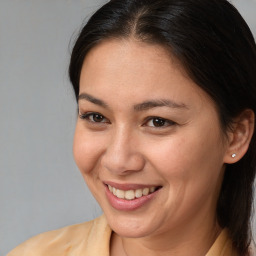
(240, 136)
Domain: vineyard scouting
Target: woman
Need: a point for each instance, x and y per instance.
(165, 136)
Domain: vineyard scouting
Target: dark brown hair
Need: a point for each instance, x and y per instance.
(217, 49)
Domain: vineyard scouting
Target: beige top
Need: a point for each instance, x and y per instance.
(91, 238)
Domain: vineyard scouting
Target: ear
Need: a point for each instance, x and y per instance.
(240, 136)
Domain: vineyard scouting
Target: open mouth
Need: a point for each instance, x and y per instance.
(131, 194)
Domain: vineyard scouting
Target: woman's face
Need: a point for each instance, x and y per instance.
(151, 136)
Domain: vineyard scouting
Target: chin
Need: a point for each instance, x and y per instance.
(129, 232)
(126, 225)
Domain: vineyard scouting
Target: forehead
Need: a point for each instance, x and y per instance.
(132, 59)
(132, 50)
(131, 70)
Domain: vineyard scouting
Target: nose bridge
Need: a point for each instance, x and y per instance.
(122, 154)
(121, 139)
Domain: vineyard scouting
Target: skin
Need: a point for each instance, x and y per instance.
(186, 156)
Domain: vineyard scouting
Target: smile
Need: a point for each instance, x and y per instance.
(131, 194)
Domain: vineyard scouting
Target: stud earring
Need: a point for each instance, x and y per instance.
(233, 155)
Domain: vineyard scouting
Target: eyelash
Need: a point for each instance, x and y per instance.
(166, 122)
(87, 116)
(163, 122)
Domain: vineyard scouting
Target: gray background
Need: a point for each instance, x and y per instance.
(40, 186)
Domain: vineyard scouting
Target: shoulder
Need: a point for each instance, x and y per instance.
(222, 246)
(69, 240)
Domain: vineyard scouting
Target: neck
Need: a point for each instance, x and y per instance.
(196, 241)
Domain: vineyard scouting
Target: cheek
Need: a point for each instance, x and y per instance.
(190, 159)
(87, 150)
(187, 169)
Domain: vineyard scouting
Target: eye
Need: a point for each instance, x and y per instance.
(94, 117)
(159, 122)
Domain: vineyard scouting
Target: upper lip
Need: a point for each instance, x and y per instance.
(129, 186)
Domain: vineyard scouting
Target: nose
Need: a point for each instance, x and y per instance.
(122, 155)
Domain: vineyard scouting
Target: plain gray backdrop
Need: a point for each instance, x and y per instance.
(40, 187)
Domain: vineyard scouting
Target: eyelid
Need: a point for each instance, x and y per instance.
(168, 122)
(86, 115)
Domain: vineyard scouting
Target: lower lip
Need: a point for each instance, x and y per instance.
(128, 205)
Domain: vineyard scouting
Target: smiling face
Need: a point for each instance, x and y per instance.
(148, 132)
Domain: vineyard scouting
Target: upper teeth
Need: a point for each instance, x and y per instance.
(131, 194)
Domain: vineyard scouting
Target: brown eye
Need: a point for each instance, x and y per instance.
(158, 122)
(96, 118)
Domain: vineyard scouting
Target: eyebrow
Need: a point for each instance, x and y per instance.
(88, 97)
(146, 105)
(159, 103)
